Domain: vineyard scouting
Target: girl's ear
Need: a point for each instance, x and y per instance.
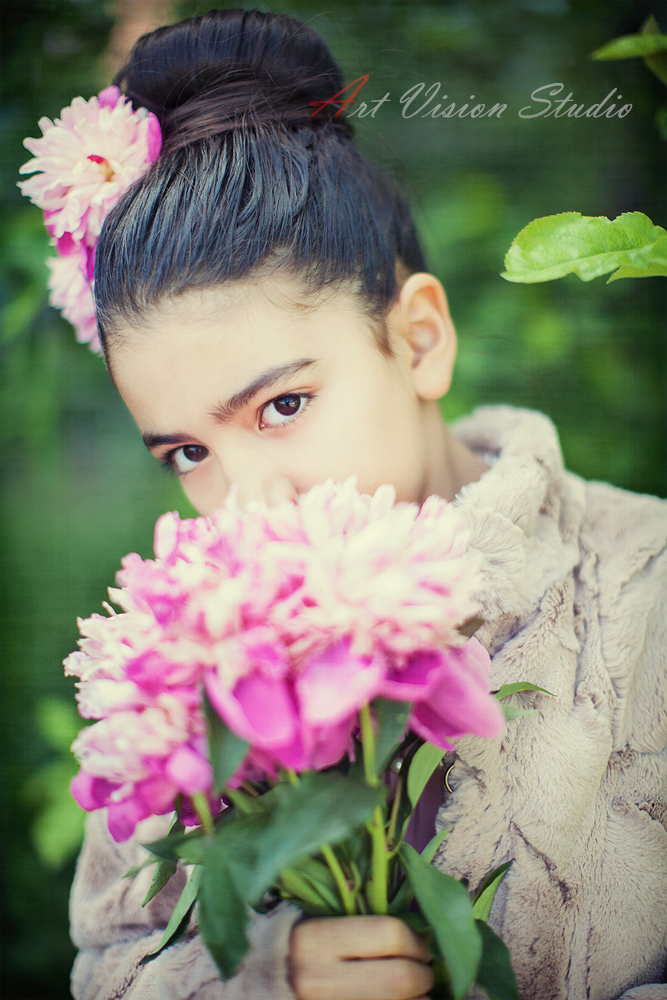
(425, 326)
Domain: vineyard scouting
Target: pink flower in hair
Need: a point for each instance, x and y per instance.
(86, 159)
(83, 164)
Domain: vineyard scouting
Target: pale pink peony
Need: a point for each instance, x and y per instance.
(292, 618)
(86, 159)
(84, 162)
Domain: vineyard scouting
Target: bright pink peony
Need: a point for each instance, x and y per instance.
(291, 618)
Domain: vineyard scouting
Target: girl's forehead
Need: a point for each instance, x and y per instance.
(279, 294)
(238, 328)
(271, 315)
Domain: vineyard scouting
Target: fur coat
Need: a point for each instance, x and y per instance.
(574, 600)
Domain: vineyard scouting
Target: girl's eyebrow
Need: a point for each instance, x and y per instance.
(224, 412)
(153, 440)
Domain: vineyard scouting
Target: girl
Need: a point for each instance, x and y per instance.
(267, 317)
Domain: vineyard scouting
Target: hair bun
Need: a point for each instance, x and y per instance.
(206, 75)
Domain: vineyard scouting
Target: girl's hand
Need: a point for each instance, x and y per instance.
(358, 958)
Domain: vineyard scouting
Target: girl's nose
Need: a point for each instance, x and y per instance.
(280, 490)
(272, 491)
(254, 472)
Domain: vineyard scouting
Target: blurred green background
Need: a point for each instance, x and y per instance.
(78, 489)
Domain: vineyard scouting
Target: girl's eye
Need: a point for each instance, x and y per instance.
(283, 409)
(187, 458)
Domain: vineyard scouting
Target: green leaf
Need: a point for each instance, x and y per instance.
(180, 918)
(588, 246)
(133, 872)
(319, 875)
(655, 264)
(657, 63)
(422, 767)
(192, 850)
(165, 848)
(481, 904)
(508, 689)
(223, 916)
(164, 869)
(226, 750)
(246, 804)
(447, 907)
(189, 846)
(631, 47)
(311, 881)
(495, 974)
(434, 843)
(357, 849)
(298, 890)
(322, 808)
(238, 845)
(163, 872)
(417, 921)
(391, 718)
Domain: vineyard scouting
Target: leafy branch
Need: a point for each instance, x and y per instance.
(651, 46)
(588, 246)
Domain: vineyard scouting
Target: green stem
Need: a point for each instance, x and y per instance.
(377, 889)
(200, 802)
(292, 776)
(346, 896)
(394, 810)
(295, 886)
(368, 744)
(356, 879)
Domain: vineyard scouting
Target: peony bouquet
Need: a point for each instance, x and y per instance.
(266, 668)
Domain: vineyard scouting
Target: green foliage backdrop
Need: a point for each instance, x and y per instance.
(78, 490)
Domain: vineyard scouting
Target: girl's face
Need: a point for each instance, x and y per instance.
(248, 385)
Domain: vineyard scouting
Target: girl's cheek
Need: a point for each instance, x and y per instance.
(200, 488)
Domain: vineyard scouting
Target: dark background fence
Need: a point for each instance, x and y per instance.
(78, 489)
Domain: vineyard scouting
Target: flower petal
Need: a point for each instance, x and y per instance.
(189, 771)
(335, 683)
(259, 709)
(459, 702)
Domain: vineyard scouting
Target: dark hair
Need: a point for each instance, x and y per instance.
(247, 180)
